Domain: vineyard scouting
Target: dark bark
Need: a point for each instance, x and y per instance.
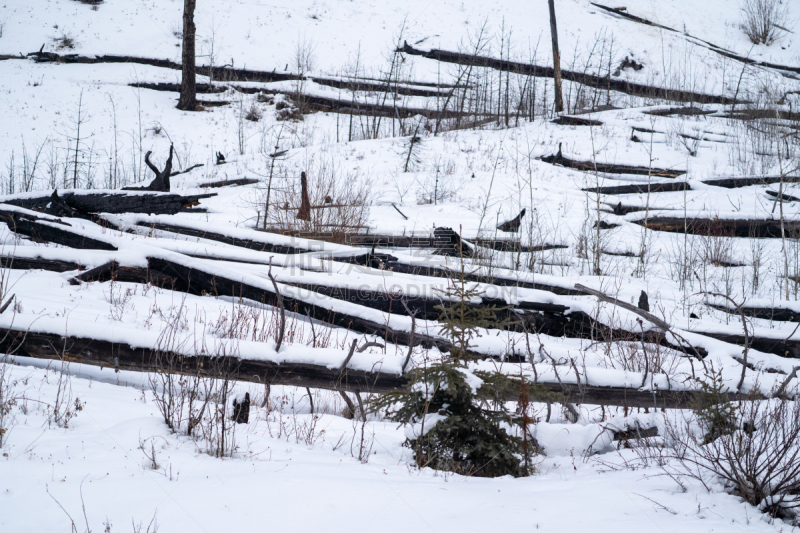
(556, 57)
(591, 166)
(188, 99)
(82, 205)
(641, 188)
(38, 263)
(48, 231)
(512, 226)
(241, 409)
(304, 213)
(763, 228)
(576, 121)
(735, 183)
(199, 282)
(228, 183)
(161, 182)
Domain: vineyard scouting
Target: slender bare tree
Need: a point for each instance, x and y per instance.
(188, 99)
(556, 58)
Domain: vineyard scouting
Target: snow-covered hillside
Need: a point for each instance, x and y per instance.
(673, 172)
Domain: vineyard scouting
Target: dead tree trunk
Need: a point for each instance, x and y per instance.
(161, 182)
(556, 58)
(188, 99)
(304, 213)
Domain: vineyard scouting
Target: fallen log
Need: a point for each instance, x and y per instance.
(437, 272)
(121, 356)
(249, 244)
(599, 82)
(202, 88)
(711, 46)
(113, 202)
(199, 282)
(781, 347)
(505, 245)
(678, 112)
(38, 263)
(363, 259)
(735, 183)
(567, 120)
(780, 314)
(621, 210)
(635, 433)
(228, 183)
(50, 231)
(311, 103)
(550, 319)
(721, 227)
(606, 168)
(784, 197)
(640, 188)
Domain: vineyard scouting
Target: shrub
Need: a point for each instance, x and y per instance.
(762, 19)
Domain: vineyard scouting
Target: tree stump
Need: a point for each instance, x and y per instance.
(304, 213)
(241, 409)
(512, 226)
(161, 182)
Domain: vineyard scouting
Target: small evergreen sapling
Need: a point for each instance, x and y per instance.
(456, 418)
(715, 414)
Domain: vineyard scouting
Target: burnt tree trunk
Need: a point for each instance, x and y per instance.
(161, 182)
(241, 409)
(304, 213)
(556, 58)
(188, 99)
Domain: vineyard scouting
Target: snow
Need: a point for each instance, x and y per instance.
(290, 461)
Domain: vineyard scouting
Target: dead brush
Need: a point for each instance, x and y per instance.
(8, 400)
(338, 200)
(764, 20)
(119, 299)
(253, 114)
(716, 245)
(65, 41)
(757, 457)
(258, 323)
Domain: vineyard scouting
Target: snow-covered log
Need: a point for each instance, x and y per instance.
(121, 356)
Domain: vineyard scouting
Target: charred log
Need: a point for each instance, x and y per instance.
(121, 356)
(591, 166)
(112, 202)
(641, 188)
(228, 183)
(735, 183)
(600, 82)
(721, 227)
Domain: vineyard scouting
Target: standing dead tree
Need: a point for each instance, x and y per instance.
(188, 99)
(556, 58)
(161, 182)
(304, 213)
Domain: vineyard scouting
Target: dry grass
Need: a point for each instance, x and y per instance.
(339, 203)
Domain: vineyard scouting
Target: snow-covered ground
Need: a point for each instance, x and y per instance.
(116, 464)
(298, 472)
